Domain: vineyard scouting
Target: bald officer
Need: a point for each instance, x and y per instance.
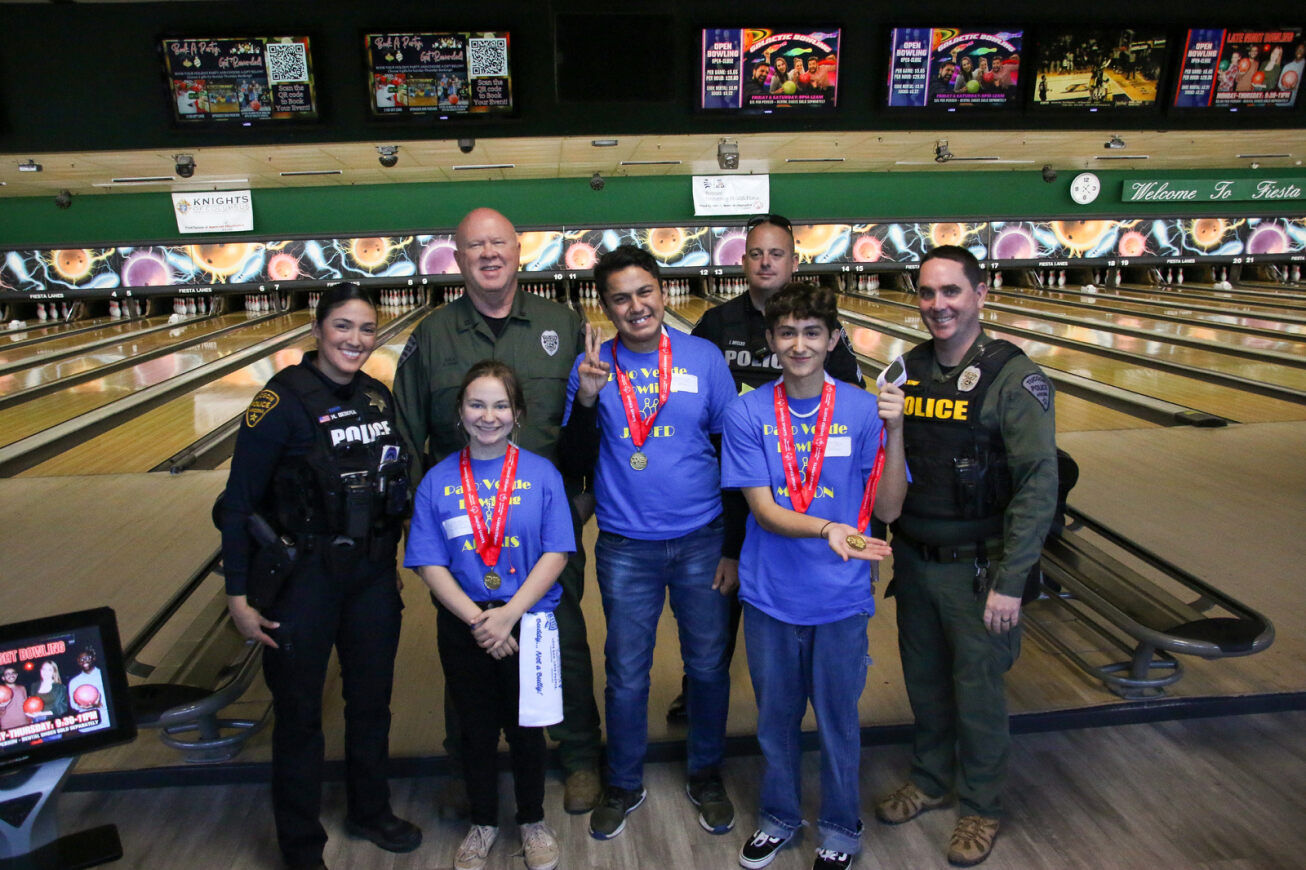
(540, 339)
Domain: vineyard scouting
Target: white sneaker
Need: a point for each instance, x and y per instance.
(539, 845)
(475, 848)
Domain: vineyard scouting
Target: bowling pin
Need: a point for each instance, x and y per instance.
(1296, 274)
(1181, 274)
(1169, 277)
(1061, 279)
(40, 311)
(190, 305)
(114, 310)
(997, 280)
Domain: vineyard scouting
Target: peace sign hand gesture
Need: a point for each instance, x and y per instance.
(593, 371)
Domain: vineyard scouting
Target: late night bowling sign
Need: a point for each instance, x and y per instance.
(1278, 189)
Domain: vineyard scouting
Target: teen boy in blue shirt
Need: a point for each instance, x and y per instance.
(805, 581)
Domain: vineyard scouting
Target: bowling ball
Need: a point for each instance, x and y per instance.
(972, 87)
(867, 249)
(453, 100)
(988, 77)
(1258, 78)
(33, 705)
(581, 256)
(666, 242)
(6, 694)
(1132, 244)
(255, 105)
(1224, 65)
(946, 234)
(369, 252)
(805, 78)
(28, 666)
(789, 88)
(1244, 65)
(1207, 231)
(86, 695)
(1288, 80)
(1079, 235)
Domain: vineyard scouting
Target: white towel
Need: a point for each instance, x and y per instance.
(539, 671)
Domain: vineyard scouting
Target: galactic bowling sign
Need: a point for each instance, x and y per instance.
(761, 69)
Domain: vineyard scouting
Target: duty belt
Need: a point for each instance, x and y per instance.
(945, 553)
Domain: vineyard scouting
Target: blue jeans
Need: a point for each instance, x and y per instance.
(791, 664)
(634, 577)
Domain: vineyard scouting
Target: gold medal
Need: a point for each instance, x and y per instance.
(638, 460)
(492, 580)
(857, 542)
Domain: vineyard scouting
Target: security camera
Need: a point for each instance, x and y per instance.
(1114, 143)
(63, 199)
(185, 165)
(1049, 174)
(596, 182)
(388, 155)
(466, 145)
(942, 154)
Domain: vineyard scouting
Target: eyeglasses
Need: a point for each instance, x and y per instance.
(779, 220)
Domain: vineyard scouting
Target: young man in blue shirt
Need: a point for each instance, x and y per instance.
(815, 458)
(644, 408)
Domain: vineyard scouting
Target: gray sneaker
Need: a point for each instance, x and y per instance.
(609, 817)
(716, 814)
(539, 846)
(475, 848)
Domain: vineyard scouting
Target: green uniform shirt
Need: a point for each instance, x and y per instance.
(540, 340)
(1019, 404)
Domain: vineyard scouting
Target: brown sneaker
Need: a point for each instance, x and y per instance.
(905, 804)
(972, 840)
(581, 793)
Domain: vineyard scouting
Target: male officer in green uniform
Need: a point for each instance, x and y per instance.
(540, 340)
(980, 439)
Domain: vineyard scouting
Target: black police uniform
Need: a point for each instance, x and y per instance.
(323, 463)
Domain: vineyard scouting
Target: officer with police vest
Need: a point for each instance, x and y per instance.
(738, 328)
(980, 440)
(310, 525)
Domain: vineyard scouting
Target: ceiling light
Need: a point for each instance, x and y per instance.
(388, 155)
(1261, 156)
(650, 163)
(814, 160)
(298, 172)
(1121, 157)
(143, 179)
(475, 166)
(603, 143)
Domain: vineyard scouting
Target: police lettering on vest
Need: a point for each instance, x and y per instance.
(365, 434)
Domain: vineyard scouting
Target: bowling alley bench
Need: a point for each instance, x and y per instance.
(1097, 582)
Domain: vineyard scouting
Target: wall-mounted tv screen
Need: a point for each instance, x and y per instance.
(1235, 69)
(441, 74)
(63, 688)
(949, 67)
(756, 69)
(1099, 68)
(242, 79)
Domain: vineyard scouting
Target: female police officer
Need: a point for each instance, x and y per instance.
(310, 524)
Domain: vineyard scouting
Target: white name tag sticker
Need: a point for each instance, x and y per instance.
(683, 382)
(839, 445)
(461, 526)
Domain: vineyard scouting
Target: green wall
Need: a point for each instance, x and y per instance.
(401, 208)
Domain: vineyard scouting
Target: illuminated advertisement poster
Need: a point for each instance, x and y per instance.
(58, 270)
(439, 73)
(1033, 241)
(435, 255)
(1096, 69)
(52, 689)
(146, 267)
(947, 67)
(672, 247)
(760, 69)
(893, 243)
(1240, 68)
(1270, 237)
(245, 80)
(541, 251)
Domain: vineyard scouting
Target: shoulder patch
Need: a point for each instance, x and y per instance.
(409, 349)
(1038, 387)
(264, 402)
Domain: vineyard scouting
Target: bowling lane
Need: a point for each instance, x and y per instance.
(1074, 414)
(691, 308)
(41, 374)
(1199, 358)
(1166, 305)
(595, 317)
(1161, 327)
(149, 439)
(42, 412)
(41, 332)
(1227, 304)
(32, 354)
(1215, 399)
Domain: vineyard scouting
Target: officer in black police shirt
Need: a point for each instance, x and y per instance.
(319, 458)
(738, 327)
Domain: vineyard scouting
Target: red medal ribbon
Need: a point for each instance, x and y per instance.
(872, 484)
(488, 542)
(641, 426)
(802, 491)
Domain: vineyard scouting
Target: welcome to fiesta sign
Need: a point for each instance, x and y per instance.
(1195, 190)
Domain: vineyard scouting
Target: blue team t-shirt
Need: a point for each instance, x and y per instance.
(680, 490)
(539, 522)
(800, 580)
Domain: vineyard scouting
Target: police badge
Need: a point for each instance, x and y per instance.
(549, 341)
(968, 379)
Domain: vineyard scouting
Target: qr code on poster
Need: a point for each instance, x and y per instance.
(487, 57)
(287, 62)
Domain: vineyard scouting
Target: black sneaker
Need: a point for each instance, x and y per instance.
(760, 850)
(609, 817)
(679, 709)
(716, 814)
(828, 859)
